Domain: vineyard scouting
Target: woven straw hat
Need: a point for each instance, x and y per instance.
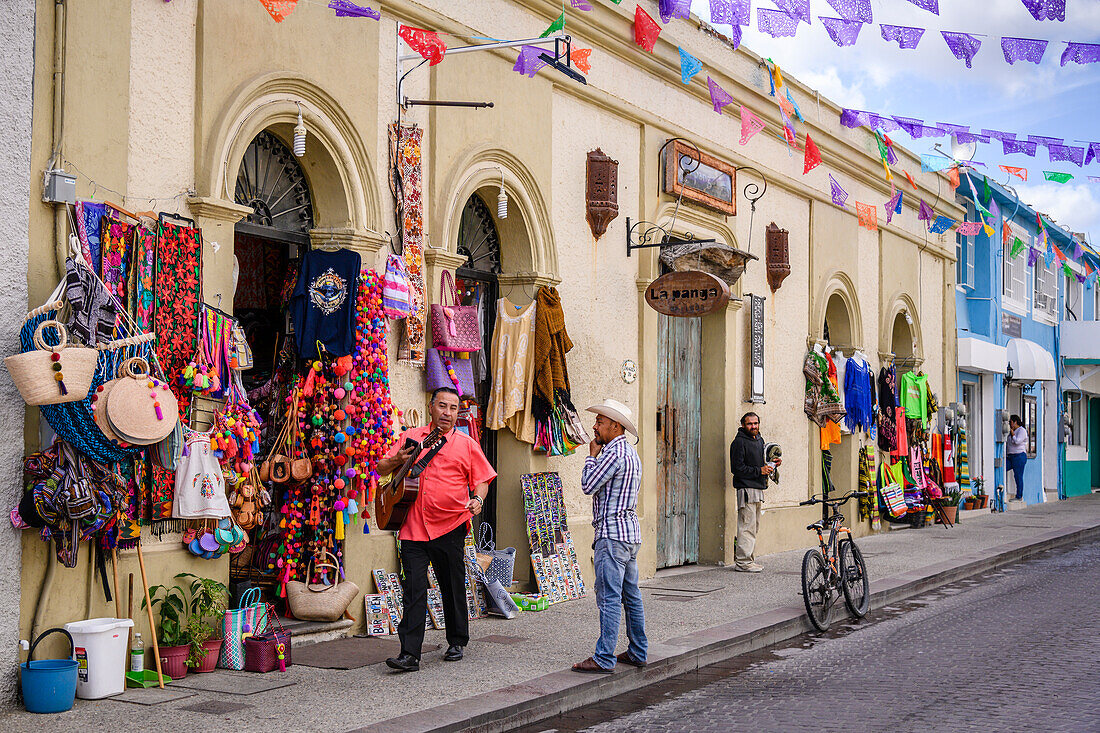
(141, 410)
(617, 411)
(99, 410)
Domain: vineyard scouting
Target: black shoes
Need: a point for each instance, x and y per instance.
(407, 662)
(453, 653)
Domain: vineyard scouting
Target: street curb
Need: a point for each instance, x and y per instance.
(552, 694)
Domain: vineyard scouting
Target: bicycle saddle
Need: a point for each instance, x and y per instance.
(819, 524)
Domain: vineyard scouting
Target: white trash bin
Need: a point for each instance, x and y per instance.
(101, 652)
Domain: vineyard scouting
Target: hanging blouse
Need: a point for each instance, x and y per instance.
(858, 400)
(513, 370)
(821, 403)
(830, 431)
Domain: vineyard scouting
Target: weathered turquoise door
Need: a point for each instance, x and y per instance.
(680, 375)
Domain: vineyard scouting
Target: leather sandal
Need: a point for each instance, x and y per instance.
(625, 658)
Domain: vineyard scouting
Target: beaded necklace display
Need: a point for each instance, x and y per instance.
(371, 403)
(345, 423)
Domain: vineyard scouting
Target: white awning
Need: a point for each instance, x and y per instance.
(1029, 361)
(976, 355)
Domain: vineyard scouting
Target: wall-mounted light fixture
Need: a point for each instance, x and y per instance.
(300, 135)
(502, 199)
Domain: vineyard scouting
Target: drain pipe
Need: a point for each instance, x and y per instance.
(61, 246)
(61, 232)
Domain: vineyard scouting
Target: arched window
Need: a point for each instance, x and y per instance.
(271, 183)
(478, 239)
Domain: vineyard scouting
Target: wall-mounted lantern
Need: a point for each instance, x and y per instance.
(602, 193)
(777, 255)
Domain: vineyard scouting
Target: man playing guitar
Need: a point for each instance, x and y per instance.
(435, 528)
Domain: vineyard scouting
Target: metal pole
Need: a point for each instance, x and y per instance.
(490, 46)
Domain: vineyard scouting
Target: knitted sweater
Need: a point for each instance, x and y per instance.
(551, 345)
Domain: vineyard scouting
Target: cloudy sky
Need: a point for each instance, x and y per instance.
(931, 84)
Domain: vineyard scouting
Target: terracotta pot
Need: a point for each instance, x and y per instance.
(950, 512)
(971, 502)
(213, 648)
(984, 499)
(173, 661)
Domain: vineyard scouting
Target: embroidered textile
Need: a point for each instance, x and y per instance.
(116, 241)
(89, 214)
(178, 295)
(405, 150)
(144, 258)
(821, 402)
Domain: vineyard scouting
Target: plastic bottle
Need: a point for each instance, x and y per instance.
(137, 655)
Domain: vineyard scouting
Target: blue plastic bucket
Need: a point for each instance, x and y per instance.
(49, 685)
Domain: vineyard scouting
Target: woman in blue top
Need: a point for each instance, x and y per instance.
(1017, 453)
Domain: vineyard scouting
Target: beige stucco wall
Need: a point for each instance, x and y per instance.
(225, 72)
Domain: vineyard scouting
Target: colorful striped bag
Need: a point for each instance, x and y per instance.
(396, 301)
(252, 613)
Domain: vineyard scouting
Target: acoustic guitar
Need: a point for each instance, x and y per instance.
(394, 500)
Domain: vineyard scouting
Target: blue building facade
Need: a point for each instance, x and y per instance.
(1017, 284)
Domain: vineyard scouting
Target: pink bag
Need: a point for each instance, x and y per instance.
(454, 327)
(396, 301)
(438, 367)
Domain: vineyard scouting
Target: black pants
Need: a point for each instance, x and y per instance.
(446, 554)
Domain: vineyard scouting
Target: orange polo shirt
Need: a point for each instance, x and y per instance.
(445, 485)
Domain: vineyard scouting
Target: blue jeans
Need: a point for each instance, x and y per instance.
(1016, 463)
(617, 585)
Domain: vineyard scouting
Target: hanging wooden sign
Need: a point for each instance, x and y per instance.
(687, 294)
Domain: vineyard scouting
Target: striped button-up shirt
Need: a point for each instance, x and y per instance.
(612, 480)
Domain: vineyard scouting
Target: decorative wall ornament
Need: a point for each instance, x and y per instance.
(629, 371)
(777, 255)
(602, 193)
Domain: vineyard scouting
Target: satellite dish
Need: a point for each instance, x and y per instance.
(963, 151)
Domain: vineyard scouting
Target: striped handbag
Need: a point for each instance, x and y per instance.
(396, 302)
(252, 613)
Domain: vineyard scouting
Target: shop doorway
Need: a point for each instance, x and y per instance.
(839, 335)
(477, 282)
(268, 246)
(1094, 442)
(679, 346)
(972, 399)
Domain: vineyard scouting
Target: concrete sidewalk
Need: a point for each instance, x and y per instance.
(692, 619)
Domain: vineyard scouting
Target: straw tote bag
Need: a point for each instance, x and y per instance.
(317, 602)
(454, 327)
(51, 375)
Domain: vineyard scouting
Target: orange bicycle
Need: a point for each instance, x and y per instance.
(836, 567)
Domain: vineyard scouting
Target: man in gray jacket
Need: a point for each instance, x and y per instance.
(750, 478)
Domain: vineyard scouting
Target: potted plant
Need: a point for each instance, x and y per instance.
(979, 493)
(208, 603)
(187, 629)
(171, 632)
(950, 503)
(970, 502)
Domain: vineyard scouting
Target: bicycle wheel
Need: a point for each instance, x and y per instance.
(815, 589)
(853, 571)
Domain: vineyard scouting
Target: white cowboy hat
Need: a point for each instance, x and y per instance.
(617, 411)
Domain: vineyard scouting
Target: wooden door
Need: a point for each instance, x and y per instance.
(680, 376)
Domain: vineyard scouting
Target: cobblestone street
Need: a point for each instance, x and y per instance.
(1010, 649)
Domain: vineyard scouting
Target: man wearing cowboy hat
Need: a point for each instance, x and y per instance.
(611, 476)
